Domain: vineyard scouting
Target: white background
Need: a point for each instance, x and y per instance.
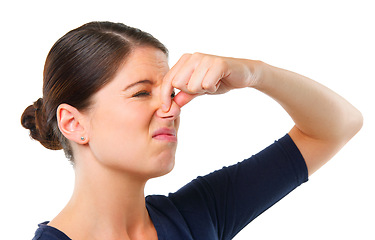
(329, 41)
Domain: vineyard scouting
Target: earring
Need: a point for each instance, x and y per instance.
(82, 138)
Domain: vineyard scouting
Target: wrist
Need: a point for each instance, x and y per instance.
(257, 73)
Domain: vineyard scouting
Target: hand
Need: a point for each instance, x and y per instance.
(197, 74)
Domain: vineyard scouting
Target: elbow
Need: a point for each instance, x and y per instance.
(346, 127)
(358, 123)
(354, 124)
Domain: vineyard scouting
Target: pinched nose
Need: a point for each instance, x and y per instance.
(172, 114)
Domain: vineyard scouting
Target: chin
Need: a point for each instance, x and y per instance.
(164, 166)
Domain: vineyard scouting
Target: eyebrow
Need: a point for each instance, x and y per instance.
(139, 82)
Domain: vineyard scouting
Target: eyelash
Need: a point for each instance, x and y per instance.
(142, 94)
(145, 94)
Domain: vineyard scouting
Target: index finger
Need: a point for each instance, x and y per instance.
(167, 87)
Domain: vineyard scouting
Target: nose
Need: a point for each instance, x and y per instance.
(172, 114)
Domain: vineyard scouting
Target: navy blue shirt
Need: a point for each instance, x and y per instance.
(220, 204)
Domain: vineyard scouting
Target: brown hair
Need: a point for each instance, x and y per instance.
(78, 65)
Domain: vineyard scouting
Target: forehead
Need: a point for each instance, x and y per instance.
(144, 61)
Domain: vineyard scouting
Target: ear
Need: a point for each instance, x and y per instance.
(71, 124)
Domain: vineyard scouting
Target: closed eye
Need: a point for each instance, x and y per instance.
(142, 93)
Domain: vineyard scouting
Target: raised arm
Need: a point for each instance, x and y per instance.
(324, 121)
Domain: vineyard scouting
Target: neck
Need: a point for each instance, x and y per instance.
(106, 203)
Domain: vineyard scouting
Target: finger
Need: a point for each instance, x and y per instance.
(183, 76)
(167, 87)
(182, 98)
(195, 82)
(211, 81)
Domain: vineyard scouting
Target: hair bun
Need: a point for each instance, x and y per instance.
(33, 119)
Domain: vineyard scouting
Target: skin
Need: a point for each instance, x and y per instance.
(119, 154)
(324, 121)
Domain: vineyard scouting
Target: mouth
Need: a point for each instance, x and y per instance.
(165, 134)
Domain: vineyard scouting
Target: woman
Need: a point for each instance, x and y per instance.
(108, 101)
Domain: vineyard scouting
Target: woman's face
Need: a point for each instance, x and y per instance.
(128, 130)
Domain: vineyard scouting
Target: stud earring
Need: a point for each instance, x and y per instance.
(82, 138)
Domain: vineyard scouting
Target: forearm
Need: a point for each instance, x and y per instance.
(324, 121)
(317, 111)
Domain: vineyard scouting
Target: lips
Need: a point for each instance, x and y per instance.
(165, 134)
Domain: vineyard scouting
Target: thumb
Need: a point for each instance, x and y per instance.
(182, 98)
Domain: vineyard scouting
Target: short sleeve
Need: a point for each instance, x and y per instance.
(226, 200)
(46, 232)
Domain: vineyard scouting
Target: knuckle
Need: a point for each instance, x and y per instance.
(206, 86)
(207, 60)
(193, 89)
(210, 89)
(186, 56)
(198, 55)
(220, 62)
(176, 83)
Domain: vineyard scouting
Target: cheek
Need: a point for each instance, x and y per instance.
(120, 135)
(121, 139)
